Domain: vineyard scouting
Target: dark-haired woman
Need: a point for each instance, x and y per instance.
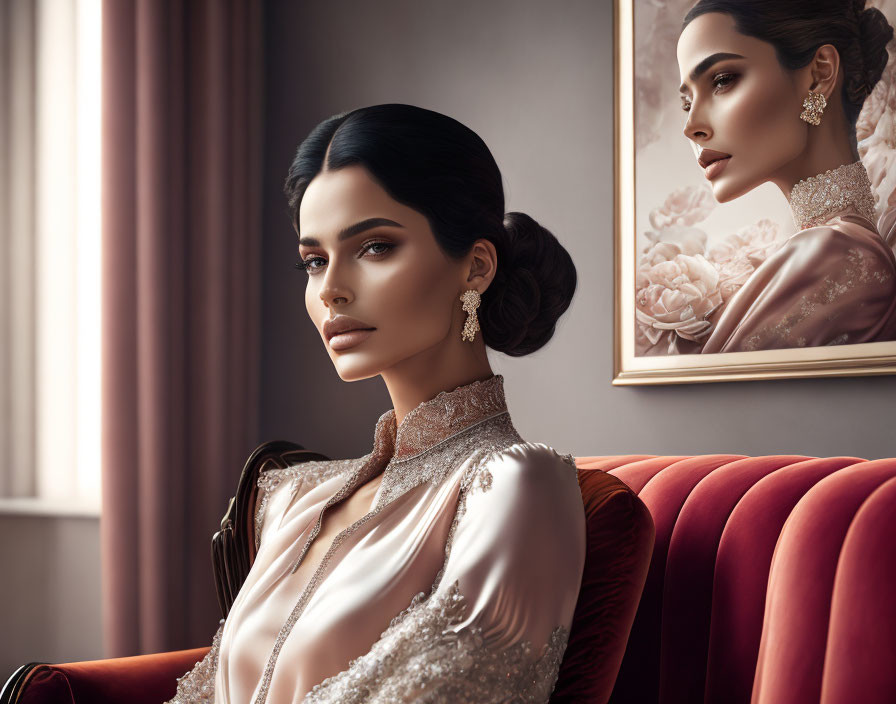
(772, 91)
(444, 565)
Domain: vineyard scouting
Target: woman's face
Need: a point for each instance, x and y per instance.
(386, 270)
(742, 107)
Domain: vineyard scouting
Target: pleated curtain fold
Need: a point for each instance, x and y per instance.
(18, 247)
(181, 194)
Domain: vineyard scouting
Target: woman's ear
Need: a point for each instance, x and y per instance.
(824, 69)
(481, 265)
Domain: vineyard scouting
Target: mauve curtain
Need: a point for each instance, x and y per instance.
(182, 102)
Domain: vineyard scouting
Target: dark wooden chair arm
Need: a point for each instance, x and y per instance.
(233, 547)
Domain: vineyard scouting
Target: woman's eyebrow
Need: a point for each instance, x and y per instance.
(707, 64)
(351, 230)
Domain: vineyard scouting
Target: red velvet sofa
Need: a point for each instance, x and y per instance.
(720, 579)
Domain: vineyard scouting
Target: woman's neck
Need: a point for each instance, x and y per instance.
(813, 163)
(415, 381)
(828, 146)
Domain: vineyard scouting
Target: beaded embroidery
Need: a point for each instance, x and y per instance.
(198, 685)
(857, 270)
(306, 474)
(475, 420)
(814, 200)
(420, 658)
(434, 421)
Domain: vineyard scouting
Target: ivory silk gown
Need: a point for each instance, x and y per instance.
(831, 283)
(458, 586)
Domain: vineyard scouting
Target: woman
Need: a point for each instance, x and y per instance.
(444, 565)
(772, 90)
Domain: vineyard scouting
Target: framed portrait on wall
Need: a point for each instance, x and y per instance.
(755, 206)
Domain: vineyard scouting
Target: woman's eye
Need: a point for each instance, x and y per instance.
(308, 265)
(368, 247)
(720, 83)
(723, 80)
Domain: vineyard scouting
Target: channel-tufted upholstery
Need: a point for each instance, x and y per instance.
(772, 580)
(710, 579)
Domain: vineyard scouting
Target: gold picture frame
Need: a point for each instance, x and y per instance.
(630, 369)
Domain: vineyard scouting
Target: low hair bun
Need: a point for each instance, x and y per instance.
(533, 286)
(875, 33)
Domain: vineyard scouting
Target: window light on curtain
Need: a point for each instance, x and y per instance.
(50, 253)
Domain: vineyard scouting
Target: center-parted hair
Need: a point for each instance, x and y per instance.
(439, 167)
(796, 28)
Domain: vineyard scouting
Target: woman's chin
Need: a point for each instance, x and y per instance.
(726, 190)
(356, 369)
(356, 375)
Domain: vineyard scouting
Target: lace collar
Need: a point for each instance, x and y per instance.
(433, 421)
(814, 200)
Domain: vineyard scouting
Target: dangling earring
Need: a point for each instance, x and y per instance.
(813, 105)
(471, 299)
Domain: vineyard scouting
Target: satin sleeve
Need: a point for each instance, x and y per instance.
(197, 686)
(825, 286)
(496, 624)
(886, 225)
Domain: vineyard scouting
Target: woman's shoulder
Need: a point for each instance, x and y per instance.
(311, 473)
(844, 253)
(528, 467)
(524, 456)
(853, 238)
(523, 500)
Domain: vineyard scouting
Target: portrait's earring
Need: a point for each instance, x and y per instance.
(813, 107)
(471, 299)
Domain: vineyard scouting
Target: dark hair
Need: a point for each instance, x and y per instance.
(441, 168)
(797, 28)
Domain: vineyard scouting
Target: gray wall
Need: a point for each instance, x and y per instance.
(535, 80)
(50, 590)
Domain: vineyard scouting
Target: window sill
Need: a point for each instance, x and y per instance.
(36, 506)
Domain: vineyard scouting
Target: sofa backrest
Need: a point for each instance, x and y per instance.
(772, 579)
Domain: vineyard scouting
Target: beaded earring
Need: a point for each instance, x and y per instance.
(470, 299)
(813, 107)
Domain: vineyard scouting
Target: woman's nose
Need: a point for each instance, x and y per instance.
(334, 289)
(696, 127)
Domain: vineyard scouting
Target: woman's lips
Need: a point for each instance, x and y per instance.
(344, 340)
(715, 168)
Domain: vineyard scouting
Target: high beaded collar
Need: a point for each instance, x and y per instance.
(814, 200)
(433, 421)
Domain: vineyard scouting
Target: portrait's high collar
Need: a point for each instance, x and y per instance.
(814, 201)
(433, 421)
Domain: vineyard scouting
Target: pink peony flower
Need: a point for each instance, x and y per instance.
(741, 253)
(685, 206)
(753, 242)
(675, 294)
(732, 275)
(688, 240)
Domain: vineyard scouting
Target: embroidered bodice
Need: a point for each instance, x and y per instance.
(459, 585)
(814, 200)
(831, 283)
(450, 414)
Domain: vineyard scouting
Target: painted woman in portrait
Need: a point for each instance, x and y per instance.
(772, 92)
